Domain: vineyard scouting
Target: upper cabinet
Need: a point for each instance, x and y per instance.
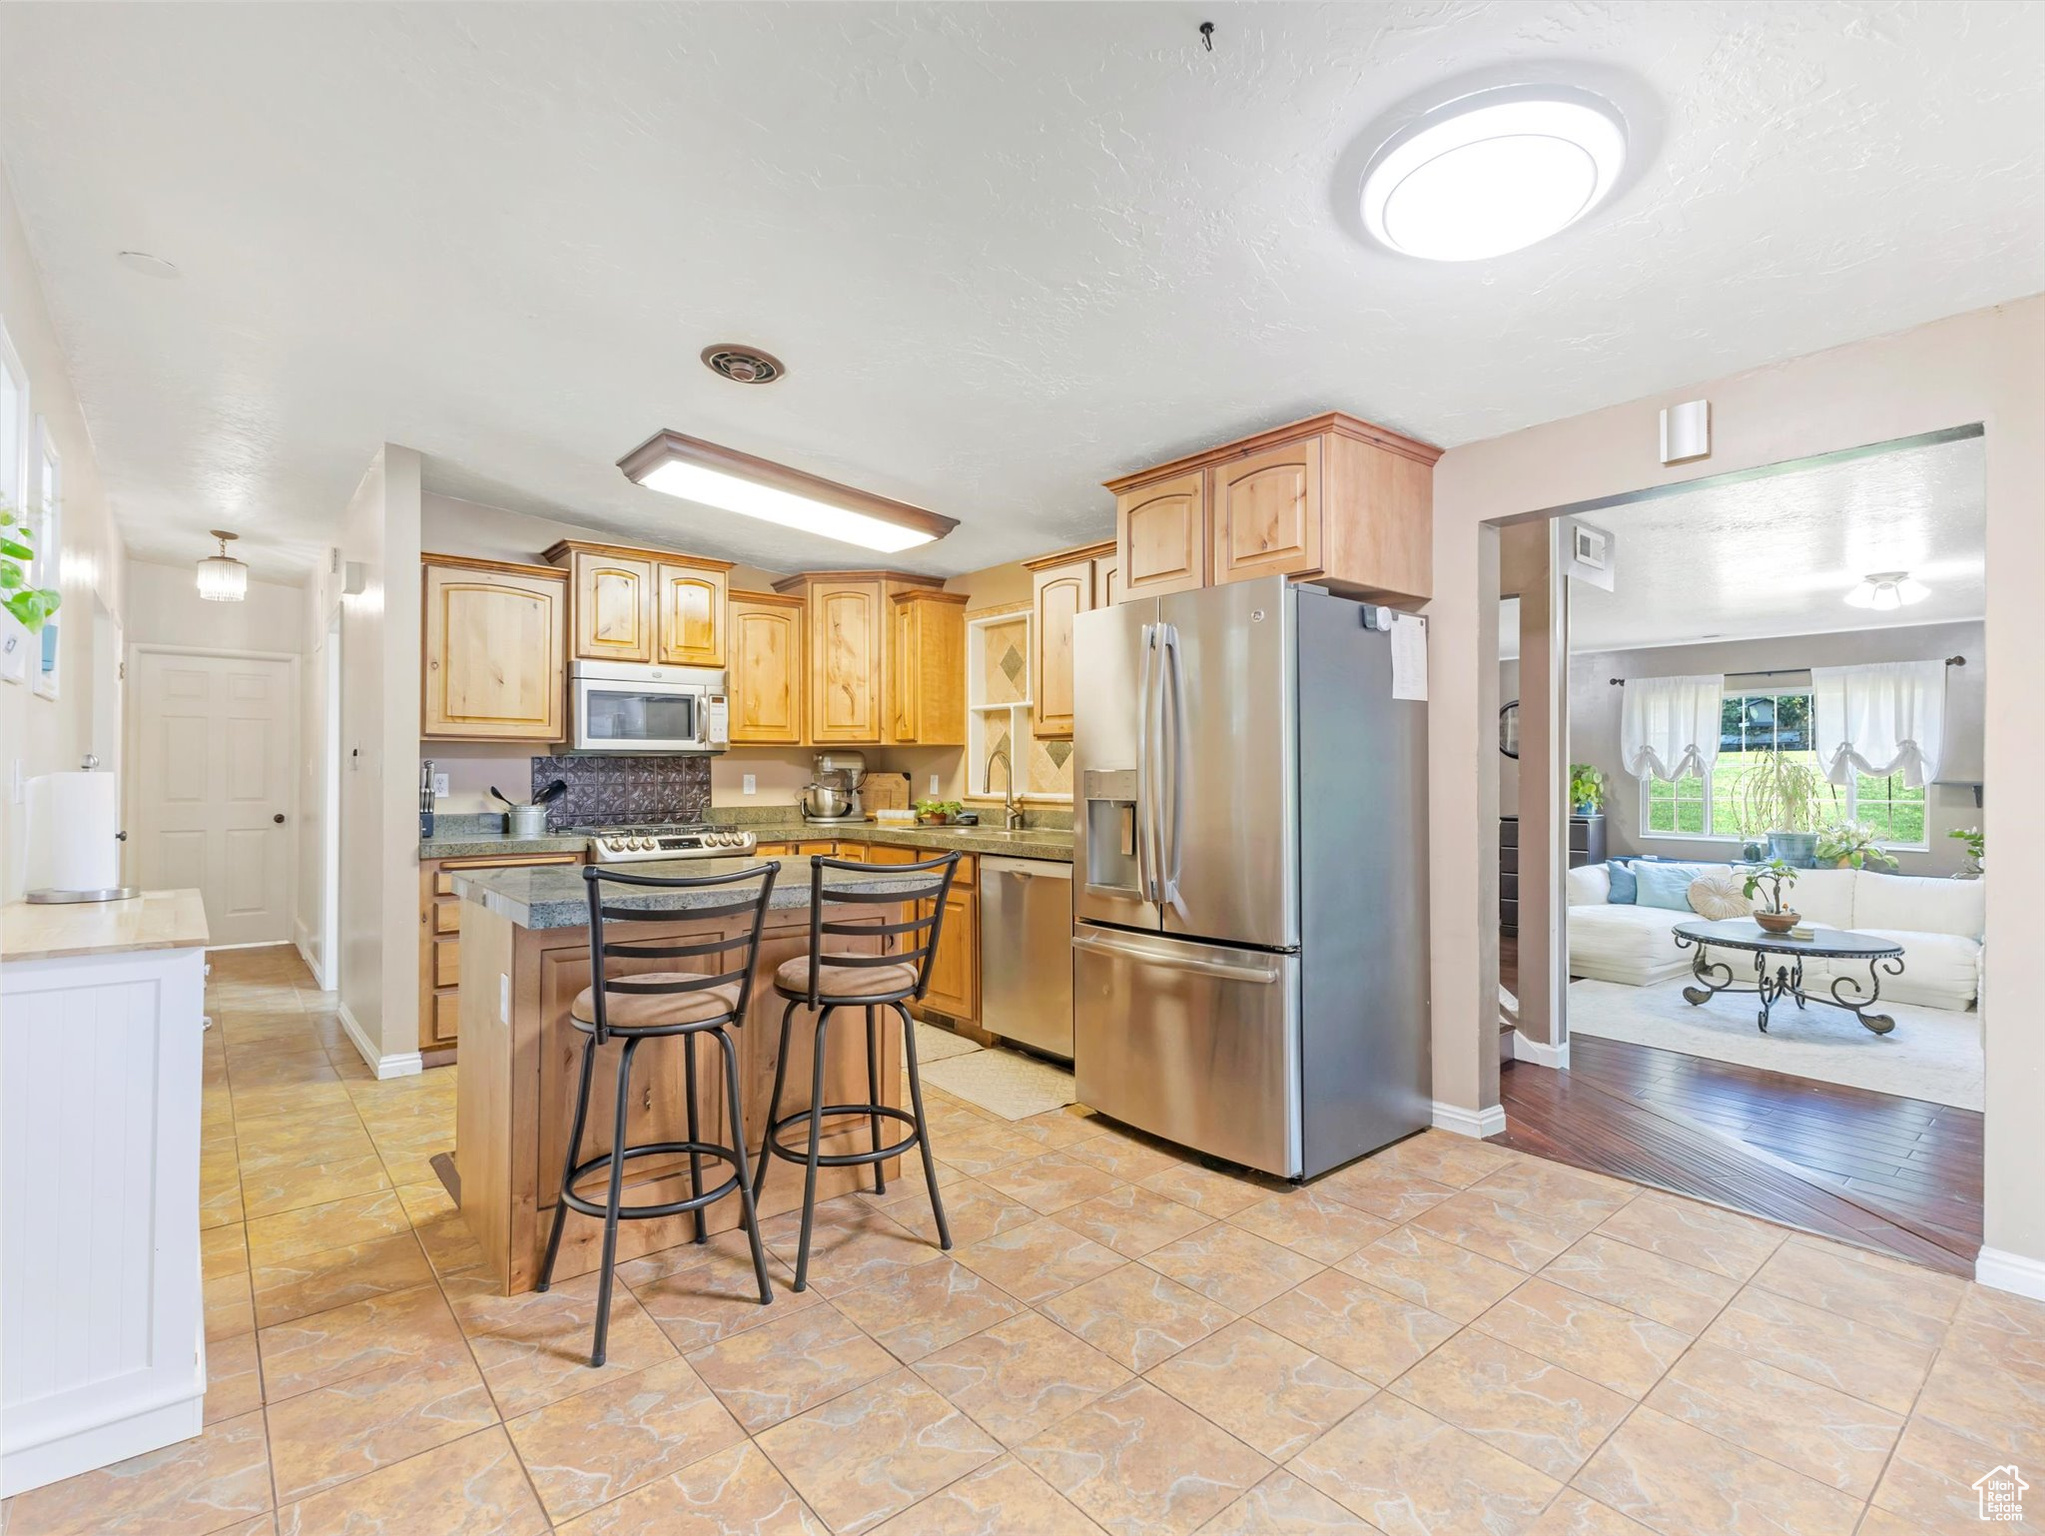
(495, 668)
(766, 672)
(1161, 535)
(927, 668)
(882, 671)
(1067, 585)
(1330, 499)
(612, 608)
(692, 612)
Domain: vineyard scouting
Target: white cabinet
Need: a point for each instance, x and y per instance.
(102, 1352)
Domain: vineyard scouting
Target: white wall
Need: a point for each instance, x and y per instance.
(164, 608)
(379, 969)
(39, 735)
(1978, 367)
(1595, 706)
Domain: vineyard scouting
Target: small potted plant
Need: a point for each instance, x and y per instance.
(937, 813)
(1777, 875)
(29, 605)
(1586, 789)
(1854, 845)
(1977, 852)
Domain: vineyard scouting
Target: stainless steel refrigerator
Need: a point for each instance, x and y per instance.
(1250, 876)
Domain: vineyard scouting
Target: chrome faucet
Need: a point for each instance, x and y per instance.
(1011, 813)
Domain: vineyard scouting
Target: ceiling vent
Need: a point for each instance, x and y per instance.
(742, 365)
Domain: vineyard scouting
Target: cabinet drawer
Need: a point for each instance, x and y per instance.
(447, 917)
(447, 1015)
(447, 962)
(1508, 887)
(1508, 832)
(1509, 860)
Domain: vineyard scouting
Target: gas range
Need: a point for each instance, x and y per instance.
(666, 840)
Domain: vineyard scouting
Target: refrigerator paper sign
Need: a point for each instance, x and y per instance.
(1409, 656)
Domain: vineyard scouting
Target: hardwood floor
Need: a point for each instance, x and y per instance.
(1897, 1175)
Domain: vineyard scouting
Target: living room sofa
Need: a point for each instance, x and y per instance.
(1938, 922)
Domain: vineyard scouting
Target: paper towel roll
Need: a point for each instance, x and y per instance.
(72, 819)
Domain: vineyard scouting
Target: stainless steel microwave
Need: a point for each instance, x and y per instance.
(631, 707)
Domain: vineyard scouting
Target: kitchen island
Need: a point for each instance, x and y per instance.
(525, 956)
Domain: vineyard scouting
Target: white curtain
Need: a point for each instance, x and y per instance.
(1670, 726)
(1888, 717)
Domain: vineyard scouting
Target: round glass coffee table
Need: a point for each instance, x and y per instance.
(1785, 956)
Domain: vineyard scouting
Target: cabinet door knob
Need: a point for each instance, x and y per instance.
(278, 818)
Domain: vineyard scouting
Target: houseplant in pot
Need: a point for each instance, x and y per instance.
(1782, 796)
(1586, 789)
(1853, 845)
(1777, 875)
(1977, 852)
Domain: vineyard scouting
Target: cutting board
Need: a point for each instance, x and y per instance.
(884, 791)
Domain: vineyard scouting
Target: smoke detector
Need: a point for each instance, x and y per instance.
(742, 364)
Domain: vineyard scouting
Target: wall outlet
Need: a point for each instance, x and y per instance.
(934, 791)
(440, 786)
(503, 998)
(750, 785)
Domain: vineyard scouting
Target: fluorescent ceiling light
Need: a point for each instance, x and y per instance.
(1493, 173)
(222, 578)
(1887, 590)
(737, 482)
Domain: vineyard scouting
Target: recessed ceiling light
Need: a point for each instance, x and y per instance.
(146, 264)
(1886, 590)
(737, 482)
(1494, 172)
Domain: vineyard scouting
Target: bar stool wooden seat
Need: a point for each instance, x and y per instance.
(827, 981)
(645, 1005)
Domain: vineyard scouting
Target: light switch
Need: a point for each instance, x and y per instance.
(751, 784)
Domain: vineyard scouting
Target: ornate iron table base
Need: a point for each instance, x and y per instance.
(1846, 992)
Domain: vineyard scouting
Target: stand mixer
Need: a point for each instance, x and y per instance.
(833, 794)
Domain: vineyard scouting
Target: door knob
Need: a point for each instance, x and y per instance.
(278, 818)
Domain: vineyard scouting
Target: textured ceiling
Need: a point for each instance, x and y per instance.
(1006, 250)
(1777, 555)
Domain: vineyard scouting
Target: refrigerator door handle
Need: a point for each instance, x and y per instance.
(1146, 859)
(1102, 944)
(1172, 755)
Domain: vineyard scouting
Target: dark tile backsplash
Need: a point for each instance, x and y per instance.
(611, 789)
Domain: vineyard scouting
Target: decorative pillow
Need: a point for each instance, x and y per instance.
(1625, 891)
(1664, 885)
(1719, 896)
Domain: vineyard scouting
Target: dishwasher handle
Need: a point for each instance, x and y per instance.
(1026, 869)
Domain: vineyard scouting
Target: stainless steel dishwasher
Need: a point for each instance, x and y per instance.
(1026, 952)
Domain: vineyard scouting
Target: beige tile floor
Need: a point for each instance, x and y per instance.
(1446, 1338)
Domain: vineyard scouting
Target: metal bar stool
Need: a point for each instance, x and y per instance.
(828, 982)
(649, 1005)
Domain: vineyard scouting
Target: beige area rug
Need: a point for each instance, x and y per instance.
(1932, 1054)
(1005, 1083)
(934, 1044)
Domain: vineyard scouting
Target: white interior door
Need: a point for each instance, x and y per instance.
(213, 774)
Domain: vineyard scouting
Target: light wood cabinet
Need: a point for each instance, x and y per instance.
(1161, 535)
(1067, 584)
(878, 671)
(955, 968)
(766, 671)
(440, 941)
(1267, 512)
(1108, 579)
(927, 668)
(612, 607)
(1331, 499)
(494, 662)
(693, 612)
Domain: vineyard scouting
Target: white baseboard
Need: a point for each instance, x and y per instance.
(402, 1064)
(2011, 1272)
(1477, 1123)
(1539, 1052)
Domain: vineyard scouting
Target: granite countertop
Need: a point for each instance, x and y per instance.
(554, 895)
(1030, 843)
(153, 920)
